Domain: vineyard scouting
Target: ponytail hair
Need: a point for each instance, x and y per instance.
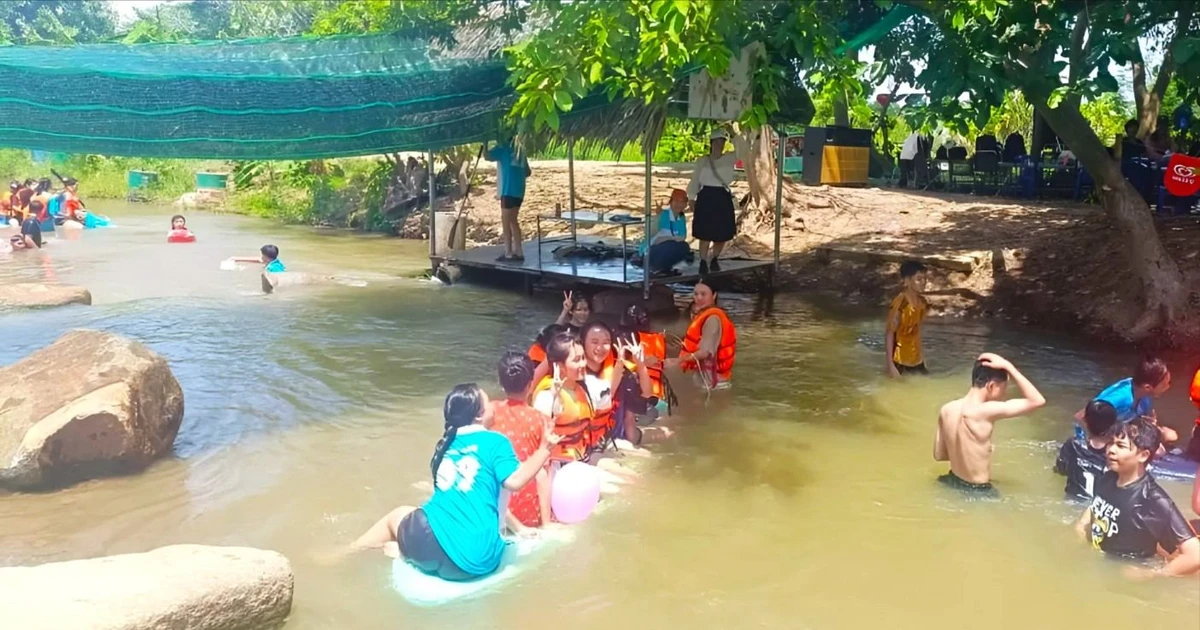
(464, 404)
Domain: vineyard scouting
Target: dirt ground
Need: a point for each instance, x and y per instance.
(1056, 265)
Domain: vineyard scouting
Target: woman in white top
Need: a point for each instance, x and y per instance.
(711, 202)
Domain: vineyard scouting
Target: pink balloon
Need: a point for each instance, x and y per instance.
(575, 492)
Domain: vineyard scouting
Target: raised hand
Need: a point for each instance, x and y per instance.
(995, 361)
(568, 301)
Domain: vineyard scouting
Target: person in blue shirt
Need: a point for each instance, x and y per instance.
(669, 246)
(1133, 397)
(456, 534)
(269, 259)
(512, 169)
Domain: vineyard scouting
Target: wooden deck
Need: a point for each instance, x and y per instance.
(613, 272)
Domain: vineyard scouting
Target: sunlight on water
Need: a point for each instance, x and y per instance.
(803, 498)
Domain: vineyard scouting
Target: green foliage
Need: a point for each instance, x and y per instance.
(105, 177)
(435, 20)
(1107, 115)
(55, 21)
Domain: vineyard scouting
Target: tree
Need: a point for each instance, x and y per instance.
(644, 49)
(1057, 53)
(55, 21)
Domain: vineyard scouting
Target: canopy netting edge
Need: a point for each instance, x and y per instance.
(297, 98)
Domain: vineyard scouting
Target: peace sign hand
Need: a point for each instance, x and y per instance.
(568, 301)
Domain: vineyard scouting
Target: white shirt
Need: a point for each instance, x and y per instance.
(908, 150)
(703, 173)
(599, 391)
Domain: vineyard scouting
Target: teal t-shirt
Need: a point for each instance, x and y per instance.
(276, 266)
(464, 511)
(667, 222)
(1120, 396)
(510, 171)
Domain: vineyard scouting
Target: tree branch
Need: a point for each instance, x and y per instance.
(1183, 22)
(1080, 43)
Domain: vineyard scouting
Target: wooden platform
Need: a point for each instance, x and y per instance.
(612, 272)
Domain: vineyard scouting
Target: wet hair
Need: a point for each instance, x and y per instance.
(464, 404)
(559, 347)
(1100, 418)
(1150, 371)
(28, 183)
(635, 318)
(516, 372)
(548, 333)
(910, 268)
(36, 205)
(981, 375)
(178, 216)
(1142, 435)
(1132, 123)
(578, 299)
(43, 184)
(270, 251)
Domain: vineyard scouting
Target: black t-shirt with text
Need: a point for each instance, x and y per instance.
(1082, 465)
(1133, 521)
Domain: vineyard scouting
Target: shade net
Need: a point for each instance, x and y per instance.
(298, 98)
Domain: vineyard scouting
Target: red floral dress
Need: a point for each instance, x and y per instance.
(523, 426)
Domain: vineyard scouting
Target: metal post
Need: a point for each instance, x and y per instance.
(571, 184)
(432, 193)
(782, 139)
(649, 211)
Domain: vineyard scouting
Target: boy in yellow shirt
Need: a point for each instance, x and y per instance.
(902, 339)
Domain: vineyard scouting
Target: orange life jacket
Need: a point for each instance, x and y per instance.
(1194, 392)
(721, 365)
(537, 354)
(572, 420)
(653, 345)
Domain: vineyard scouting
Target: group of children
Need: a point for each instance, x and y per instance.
(1108, 463)
(582, 393)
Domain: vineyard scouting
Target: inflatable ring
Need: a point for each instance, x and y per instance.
(181, 236)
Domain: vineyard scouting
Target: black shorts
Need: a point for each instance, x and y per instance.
(911, 369)
(511, 203)
(973, 490)
(421, 548)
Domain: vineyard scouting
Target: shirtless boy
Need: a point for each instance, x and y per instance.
(964, 434)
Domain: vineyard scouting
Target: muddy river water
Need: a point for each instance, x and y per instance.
(806, 499)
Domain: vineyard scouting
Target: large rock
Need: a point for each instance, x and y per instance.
(90, 404)
(182, 587)
(38, 295)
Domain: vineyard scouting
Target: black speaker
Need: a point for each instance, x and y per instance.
(814, 148)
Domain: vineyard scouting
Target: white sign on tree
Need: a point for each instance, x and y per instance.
(724, 97)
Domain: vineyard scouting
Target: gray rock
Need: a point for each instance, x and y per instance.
(90, 404)
(39, 295)
(181, 587)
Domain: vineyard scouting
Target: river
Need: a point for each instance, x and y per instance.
(805, 500)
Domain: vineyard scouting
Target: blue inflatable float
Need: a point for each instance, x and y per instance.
(422, 589)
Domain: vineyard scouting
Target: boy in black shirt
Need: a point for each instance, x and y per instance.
(1084, 461)
(1131, 516)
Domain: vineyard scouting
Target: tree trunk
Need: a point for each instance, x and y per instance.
(841, 110)
(1164, 292)
(753, 146)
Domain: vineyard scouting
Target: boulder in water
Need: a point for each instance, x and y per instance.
(88, 405)
(40, 295)
(181, 587)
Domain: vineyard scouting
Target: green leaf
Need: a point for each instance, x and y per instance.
(682, 6)
(563, 100)
(959, 20)
(597, 72)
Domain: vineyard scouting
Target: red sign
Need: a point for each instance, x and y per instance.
(1182, 177)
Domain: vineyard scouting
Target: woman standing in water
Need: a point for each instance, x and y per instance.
(564, 398)
(456, 534)
(711, 201)
(606, 377)
(710, 345)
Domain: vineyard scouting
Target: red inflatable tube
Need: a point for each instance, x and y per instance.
(181, 236)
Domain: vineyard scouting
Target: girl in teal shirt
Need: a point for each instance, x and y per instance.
(456, 534)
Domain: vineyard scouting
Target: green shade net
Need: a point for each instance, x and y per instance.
(299, 98)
